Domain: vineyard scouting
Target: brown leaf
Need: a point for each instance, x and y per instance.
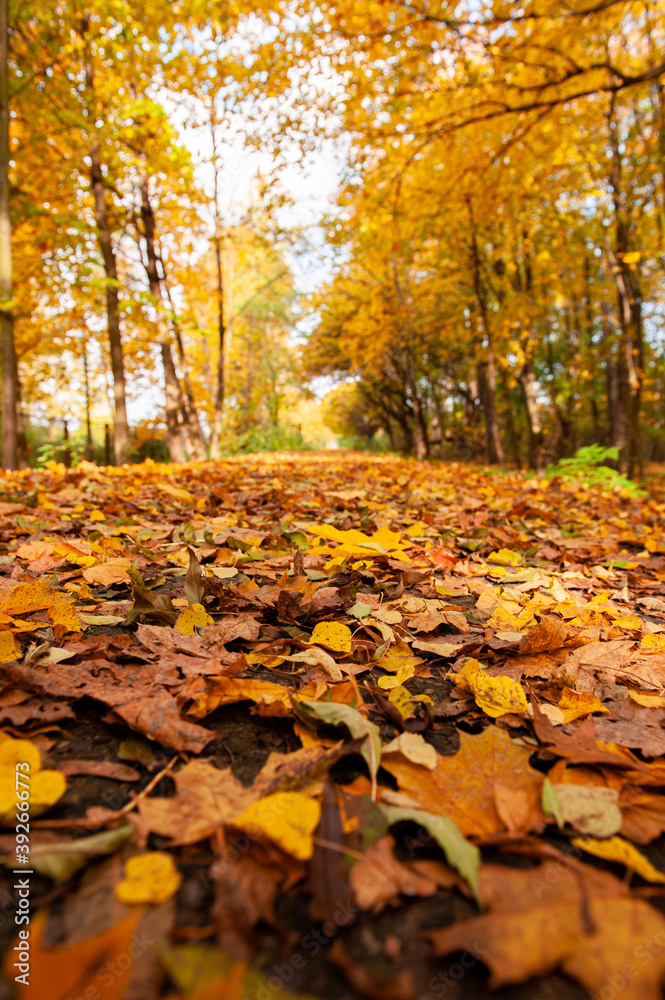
(206, 798)
(571, 917)
(99, 769)
(463, 787)
(549, 633)
(379, 878)
(327, 869)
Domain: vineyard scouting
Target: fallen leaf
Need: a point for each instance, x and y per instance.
(619, 850)
(287, 818)
(149, 878)
(462, 787)
(332, 635)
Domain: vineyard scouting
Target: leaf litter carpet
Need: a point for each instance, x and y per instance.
(332, 725)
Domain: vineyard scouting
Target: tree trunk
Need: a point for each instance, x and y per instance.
(487, 393)
(485, 368)
(528, 382)
(218, 414)
(88, 426)
(174, 401)
(630, 315)
(11, 400)
(173, 398)
(120, 426)
(197, 444)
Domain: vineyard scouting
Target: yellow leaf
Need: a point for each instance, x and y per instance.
(504, 557)
(471, 666)
(332, 635)
(574, 704)
(108, 573)
(176, 493)
(27, 597)
(416, 530)
(287, 818)
(13, 752)
(497, 695)
(149, 878)
(44, 787)
(626, 621)
(414, 747)
(647, 700)
(192, 617)
(97, 515)
(404, 672)
(402, 699)
(8, 648)
(654, 643)
(505, 620)
(398, 656)
(619, 850)
(63, 615)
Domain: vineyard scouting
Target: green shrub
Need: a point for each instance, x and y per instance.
(587, 465)
(261, 438)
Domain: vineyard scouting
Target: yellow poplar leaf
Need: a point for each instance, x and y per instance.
(416, 530)
(504, 557)
(647, 700)
(654, 643)
(149, 878)
(192, 617)
(8, 648)
(505, 620)
(332, 635)
(404, 672)
(626, 622)
(108, 573)
(620, 850)
(85, 561)
(64, 617)
(574, 704)
(497, 695)
(398, 656)
(13, 752)
(27, 597)
(461, 679)
(46, 787)
(404, 701)
(268, 660)
(178, 494)
(287, 818)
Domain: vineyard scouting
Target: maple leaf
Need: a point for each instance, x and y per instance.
(487, 786)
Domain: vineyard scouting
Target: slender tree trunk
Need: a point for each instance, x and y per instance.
(419, 427)
(487, 393)
(630, 315)
(11, 400)
(175, 404)
(197, 444)
(120, 426)
(485, 368)
(218, 414)
(88, 427)
(173, 399)
(528, 383)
